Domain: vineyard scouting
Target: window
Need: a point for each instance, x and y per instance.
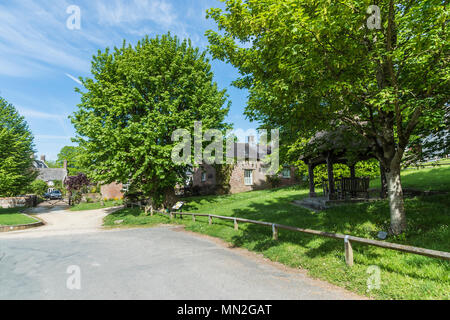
(286, 173)
(248, 177)
(203, 176)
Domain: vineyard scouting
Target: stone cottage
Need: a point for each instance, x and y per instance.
(50, 175)
(248, 171)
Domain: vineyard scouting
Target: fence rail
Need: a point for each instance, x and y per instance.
(347, 238)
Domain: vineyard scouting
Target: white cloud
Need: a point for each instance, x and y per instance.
(119, 12)
(29, 113)
(35, 33)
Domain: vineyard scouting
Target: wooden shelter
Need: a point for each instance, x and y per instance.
(339, 146)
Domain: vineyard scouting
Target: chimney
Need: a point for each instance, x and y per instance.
(43, 158)
(65, 164)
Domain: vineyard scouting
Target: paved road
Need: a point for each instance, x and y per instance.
(155, 263)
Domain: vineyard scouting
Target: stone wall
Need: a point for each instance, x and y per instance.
(18, 202)
(112, 191)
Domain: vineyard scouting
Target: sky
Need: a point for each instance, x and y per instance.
(43, 52)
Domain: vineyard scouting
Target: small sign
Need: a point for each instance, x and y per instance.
(178, 205)
(382, 235)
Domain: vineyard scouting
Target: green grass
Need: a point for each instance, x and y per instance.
(96, 205)
(12, 217)
(436, 179)
(403, 276)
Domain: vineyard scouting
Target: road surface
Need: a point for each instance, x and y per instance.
(86, 262)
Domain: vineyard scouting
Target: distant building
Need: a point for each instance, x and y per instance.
(50, 175)
(248, 172)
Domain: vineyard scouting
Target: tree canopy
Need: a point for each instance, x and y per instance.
(16, 151)
(317, 64)
(137, 98)
(72, 155)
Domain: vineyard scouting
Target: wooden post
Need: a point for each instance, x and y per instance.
(275, 232)
(210, 220)
(348, 252)
(352, 171)
(330, 177)
(171, 216)
(312, 192)
(193, 217)
(236, 227)
(353, 177)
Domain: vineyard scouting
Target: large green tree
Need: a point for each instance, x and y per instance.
(137, 98)
(16, 151)
(71, 154)
(311, 64)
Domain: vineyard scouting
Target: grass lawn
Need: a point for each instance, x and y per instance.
(436, 179)
(403, 276)
(11, 217)
(96, 205)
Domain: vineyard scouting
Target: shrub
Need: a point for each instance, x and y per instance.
(274, 181)
(38, 187)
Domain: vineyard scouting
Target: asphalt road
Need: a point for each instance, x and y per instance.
(156, 263)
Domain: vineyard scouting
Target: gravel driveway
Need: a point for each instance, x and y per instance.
(59, 220)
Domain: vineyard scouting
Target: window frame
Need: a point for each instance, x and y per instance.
(286, 169)
(246, 182)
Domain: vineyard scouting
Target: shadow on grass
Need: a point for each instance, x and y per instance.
(430, 214)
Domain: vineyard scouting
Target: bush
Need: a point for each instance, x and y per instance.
(369, 168)
(38, 187)
(274, 181)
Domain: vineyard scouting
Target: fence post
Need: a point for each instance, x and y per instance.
(348, 252)
(275, 232)
(171, 216)
(210, 220)
(193, 217)
(236, 227)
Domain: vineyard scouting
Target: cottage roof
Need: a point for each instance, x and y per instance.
(39, 164)
(341, 144)
(52, 174)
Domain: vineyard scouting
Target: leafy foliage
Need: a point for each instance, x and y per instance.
(74, 186)
(74, 183)
(16, 151)
(137, 98)
(313, 65)
(71, 154)
(223, 177)
(38, 187)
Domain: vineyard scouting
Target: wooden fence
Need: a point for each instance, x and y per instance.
(347, 238)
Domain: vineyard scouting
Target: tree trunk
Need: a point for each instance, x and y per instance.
(396, 204)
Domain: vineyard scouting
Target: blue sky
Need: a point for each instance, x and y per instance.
(40, 58)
